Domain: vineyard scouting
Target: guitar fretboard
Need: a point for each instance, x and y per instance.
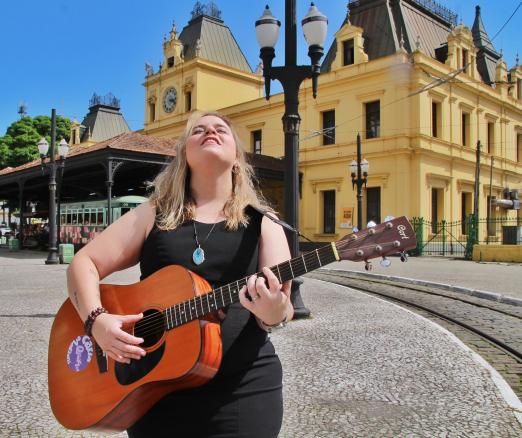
(223, 296)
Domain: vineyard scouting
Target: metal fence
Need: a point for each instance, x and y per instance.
(450, 239)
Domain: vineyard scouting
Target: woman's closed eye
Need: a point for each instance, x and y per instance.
(201, 130)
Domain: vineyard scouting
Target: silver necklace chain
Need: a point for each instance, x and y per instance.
(196, 233)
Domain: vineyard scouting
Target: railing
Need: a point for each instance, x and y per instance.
(430, 5)
(108, 100)
(456, 239)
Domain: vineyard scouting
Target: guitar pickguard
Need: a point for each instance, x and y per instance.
(126, 374)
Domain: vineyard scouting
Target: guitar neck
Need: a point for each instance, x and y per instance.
(223, 296)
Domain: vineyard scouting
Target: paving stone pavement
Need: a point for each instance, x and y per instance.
(361, 367)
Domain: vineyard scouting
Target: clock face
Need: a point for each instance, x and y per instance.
(169, 99)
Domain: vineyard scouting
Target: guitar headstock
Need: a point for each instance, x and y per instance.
(390, 237)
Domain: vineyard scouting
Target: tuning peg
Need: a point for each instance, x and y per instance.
(371, 231)
(385, 262)
(368, 265)
(404, 256)
(371, 224)
(389, 218)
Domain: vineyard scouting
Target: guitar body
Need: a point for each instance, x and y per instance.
(89, 391)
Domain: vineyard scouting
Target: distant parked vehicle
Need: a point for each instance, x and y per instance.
(5, 231)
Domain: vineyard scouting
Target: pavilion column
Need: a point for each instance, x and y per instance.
(21, 184)
(111, 167)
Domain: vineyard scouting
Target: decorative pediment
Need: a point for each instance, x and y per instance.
(465, 185)
(326, 183)
(188, 85)
(437, 180)
(378, 179)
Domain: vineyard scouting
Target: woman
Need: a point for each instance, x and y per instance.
(200, 216)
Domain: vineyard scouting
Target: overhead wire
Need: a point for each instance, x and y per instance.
(436, 83)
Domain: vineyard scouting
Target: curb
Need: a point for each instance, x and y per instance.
(492, 296)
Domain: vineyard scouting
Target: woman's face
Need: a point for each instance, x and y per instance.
(210, 144)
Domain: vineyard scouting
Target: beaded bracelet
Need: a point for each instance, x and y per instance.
(91, 318)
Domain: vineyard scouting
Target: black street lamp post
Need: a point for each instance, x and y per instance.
(359, 171)
(63, 149)
(290, 76)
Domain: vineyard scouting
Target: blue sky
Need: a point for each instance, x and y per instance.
(57, 53)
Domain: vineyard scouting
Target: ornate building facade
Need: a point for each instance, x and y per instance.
(421, 91)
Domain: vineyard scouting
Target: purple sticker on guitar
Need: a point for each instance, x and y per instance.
(80, 353)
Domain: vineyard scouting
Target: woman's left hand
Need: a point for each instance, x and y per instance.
(268, 302)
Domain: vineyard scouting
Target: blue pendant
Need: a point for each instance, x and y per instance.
(198, 256)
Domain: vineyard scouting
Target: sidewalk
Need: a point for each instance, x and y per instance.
(500, 278)
(361, 367)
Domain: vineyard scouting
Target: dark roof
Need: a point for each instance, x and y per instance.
(386, 23)
(130, 141)
(422, 26)
(217, 42)
(103, 122)
(487, 57)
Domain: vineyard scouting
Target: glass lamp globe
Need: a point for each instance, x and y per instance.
(353, 168)
(267, 29)
(315, 25)
(63, 148)
(365, 166)
(43, 146)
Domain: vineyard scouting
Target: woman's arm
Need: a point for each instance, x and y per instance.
(116, 248)
(270, 299)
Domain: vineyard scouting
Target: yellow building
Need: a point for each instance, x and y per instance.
(420, 90)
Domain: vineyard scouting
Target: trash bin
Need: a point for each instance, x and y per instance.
(3, 240)
(14, 244)
(65, 252)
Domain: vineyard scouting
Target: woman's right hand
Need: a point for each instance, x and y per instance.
(116, 342)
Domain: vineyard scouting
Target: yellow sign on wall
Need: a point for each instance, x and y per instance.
(346, 218)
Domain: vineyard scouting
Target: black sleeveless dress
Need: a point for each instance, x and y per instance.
(245, 397)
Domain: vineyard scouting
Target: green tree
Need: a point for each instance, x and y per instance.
(19, 145)
(5, 153)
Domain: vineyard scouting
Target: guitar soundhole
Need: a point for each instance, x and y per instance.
(150, 328)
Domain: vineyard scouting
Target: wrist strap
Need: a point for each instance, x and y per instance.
(271, 326)
(91, 318)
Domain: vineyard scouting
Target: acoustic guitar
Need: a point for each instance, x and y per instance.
(87, 390)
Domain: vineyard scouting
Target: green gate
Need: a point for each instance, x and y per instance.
(447, 239)
(456, 239)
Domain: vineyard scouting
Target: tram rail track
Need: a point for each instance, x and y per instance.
(492, 329)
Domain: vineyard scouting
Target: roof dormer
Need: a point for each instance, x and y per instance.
(462, 53)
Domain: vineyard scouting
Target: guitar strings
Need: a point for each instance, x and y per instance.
(198, 300)
(157, 322)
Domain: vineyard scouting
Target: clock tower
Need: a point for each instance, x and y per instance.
(200, 66)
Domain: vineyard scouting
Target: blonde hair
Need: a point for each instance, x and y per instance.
(173, 200)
